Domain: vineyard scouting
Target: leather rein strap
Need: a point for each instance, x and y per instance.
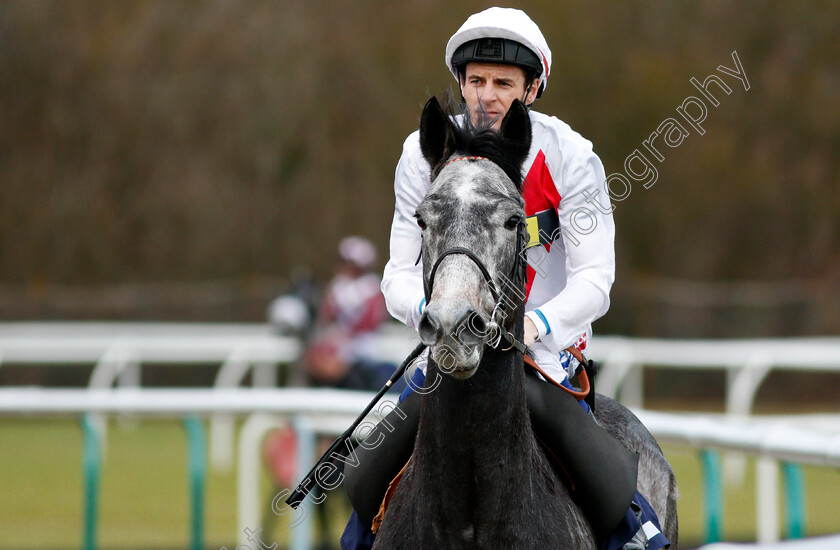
(583, 378)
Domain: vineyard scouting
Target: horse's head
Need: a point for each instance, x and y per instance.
(473, 223)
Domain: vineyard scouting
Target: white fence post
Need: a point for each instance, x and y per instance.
(264, 375)
(231, 373)
(301, 535)
(614, 367)
(767, 500)
(632, 390)
(248, 474)
(741, 390)
(110, 367)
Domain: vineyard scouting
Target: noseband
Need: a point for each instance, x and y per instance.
(471, 255)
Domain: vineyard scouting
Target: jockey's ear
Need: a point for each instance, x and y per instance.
(516, 131)
(437, 137)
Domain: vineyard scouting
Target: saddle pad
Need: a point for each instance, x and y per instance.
(389, 494)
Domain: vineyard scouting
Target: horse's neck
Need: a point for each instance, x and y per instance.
(477, 424)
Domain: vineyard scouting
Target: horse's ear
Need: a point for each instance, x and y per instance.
(436, 133)
(516, 131)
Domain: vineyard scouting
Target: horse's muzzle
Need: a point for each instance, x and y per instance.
(456, 338)
(468, 329)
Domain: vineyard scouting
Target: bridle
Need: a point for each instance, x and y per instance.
(501, 299)
(516, 275)
(502, 333)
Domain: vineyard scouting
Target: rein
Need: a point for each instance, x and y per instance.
(583, 377)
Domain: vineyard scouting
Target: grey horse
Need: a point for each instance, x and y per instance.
(478, 477)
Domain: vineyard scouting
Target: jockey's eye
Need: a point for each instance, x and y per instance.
(512, 222)
(420, 221)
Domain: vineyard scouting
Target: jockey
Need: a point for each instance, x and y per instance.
(497, 56)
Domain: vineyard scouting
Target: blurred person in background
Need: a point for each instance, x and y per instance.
(342, 352)
(352, 299)
(339, 327)
(293, 312)
(289, 315)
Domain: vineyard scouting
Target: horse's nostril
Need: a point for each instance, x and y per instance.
(429, 329)
(472, 328)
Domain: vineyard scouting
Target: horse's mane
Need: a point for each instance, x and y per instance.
(481, 140)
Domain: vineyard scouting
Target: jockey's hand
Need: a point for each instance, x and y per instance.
(531, 333)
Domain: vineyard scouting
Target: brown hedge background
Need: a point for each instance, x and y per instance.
(177, 160)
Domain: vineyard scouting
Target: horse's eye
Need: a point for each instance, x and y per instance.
(512, 222)
(420, 222)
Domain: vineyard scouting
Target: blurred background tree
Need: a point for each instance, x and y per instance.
(176, 160)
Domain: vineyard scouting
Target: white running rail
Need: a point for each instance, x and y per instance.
(325, 411)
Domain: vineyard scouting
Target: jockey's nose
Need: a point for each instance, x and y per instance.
(488, 101)
(468, 326)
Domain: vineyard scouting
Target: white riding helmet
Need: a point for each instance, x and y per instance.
(357, 251)
(511, 28)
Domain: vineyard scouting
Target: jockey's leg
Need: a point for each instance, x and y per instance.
(367, 483)
(601, 470)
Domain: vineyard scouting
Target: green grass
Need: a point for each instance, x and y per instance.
(144, 498)
(822, 498)
(144, 493)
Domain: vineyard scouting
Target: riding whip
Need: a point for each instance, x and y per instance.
(343, 442)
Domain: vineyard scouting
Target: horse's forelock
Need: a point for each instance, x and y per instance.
(481, 140)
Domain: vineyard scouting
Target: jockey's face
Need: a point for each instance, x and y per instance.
(490, 88)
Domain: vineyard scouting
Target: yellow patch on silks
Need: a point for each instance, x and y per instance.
(533, 231)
